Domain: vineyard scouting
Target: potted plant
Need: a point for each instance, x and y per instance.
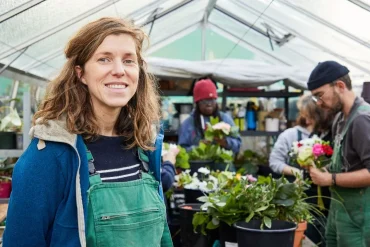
(196, 185)
(209, 153)
(10, 124)
(266, 200)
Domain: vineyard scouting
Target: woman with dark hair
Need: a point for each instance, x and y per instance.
(192, 129)
(92, 173)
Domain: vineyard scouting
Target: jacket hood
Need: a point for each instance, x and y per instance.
(53, 130)
(303, 130)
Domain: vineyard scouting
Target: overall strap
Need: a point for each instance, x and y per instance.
(94, 177)
(299, 133)
(361, 108)
(338, 148)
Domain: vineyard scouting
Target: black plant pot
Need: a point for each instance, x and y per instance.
(8, 140)
(227, 235)
(191, 196)
(281, 234)
(188, 237)
(196, 164)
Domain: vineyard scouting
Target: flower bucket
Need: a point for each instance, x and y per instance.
(5, 188)
(191, 196)
(299, 234)
(188, 237)
(281, 234)
(227, 235)
(196, 164)
(8, 140)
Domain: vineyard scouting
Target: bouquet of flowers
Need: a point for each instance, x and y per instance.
(312, 152)
(217, 130)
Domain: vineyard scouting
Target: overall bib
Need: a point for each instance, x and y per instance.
(124, 214)
(349, 215)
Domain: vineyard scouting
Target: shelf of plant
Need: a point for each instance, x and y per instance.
(259, 133)
(12, 153)
(242, 133)
(264, 94)
(173, 92)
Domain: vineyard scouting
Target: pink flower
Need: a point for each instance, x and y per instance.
(317, 150)
(251, 178)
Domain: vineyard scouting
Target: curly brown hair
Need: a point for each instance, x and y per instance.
(67, 97)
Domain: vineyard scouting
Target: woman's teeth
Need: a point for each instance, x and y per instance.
(116, 86)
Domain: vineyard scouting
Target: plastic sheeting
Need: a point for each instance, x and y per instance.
(231, 72)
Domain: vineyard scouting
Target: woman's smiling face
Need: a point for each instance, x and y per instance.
(112, 73)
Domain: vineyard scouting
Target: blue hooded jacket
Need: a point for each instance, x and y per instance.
(48, 204)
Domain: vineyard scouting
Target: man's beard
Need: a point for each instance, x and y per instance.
(337, 106)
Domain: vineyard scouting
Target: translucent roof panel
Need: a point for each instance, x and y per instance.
(317, 30)
(253, 38)
(345, 15)
(176, 21)
(19, 29)
(50, 46)
(8, 5)
(309, 33)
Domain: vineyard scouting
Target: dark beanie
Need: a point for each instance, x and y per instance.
(324, 73)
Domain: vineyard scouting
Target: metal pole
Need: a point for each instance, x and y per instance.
(26, 119)
(14, 94)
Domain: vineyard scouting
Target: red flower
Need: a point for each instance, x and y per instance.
(300, 144)
(327, 150)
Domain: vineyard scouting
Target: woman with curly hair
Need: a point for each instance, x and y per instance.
(91, 175)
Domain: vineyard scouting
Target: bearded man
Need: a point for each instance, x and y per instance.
(349, 172)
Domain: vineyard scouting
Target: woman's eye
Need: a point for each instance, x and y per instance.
(104, 60)
(128, 61)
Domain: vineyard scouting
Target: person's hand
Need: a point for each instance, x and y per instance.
(171, 155)
(321, 176)
(205, 141)
(221, 142)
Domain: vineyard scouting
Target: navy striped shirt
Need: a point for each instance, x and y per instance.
(112, 161)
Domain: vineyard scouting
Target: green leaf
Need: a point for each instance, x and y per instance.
(250, 216)
(221, 204)
(214, 120)
(203, 199)
(212, 226)
(267, 221)
(262, 208)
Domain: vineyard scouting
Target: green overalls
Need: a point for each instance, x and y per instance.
(124, 214)
(349, 215)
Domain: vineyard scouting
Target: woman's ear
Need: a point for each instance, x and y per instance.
(79, 73)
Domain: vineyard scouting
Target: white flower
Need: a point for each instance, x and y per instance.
(177, 178)
(203, 186)
(195, 175)
(187, 171)
(204, 170)
(222, 125)
(213, 179)
(191, 186)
